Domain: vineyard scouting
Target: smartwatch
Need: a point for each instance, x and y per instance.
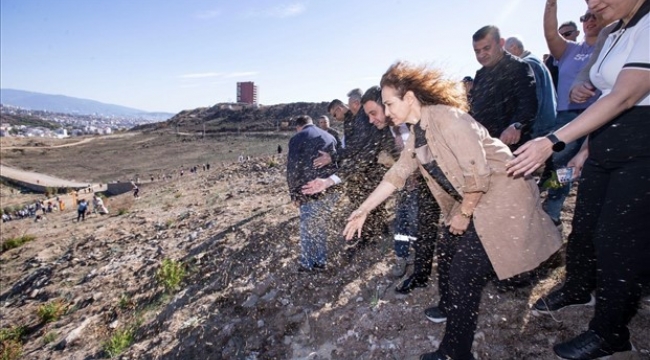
(558, 145)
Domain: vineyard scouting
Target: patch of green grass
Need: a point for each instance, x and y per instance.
(169, 223)
(120, 341)
(11, 344)
(122, 211)
(13, 333)
(11, 350)
(13, 243)
(125, 302)
(51, 311)
(171, 274)
(49, 337)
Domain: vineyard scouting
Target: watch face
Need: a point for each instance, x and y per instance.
(559, 146)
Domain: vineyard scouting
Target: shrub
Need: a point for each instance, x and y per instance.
(11, 345)
(171, 274)
(119, 342)
(49, 337)
(51, 311)
(122, 211)
(12, 243)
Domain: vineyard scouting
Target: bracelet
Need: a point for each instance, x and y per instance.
(465, 215)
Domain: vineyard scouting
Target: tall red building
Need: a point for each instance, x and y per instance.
(246, 92)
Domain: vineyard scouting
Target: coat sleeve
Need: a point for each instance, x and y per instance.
(361, 149)
(462, 136)
(406, 165)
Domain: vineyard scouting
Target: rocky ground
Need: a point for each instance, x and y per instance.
(235, 233)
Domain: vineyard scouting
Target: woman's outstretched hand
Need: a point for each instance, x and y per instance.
(530, 156)
(355, 224)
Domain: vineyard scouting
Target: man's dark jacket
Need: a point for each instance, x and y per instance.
(505, 94)
(362, 145)
(303, 149)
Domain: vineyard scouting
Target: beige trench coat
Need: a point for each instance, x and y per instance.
(514, 230)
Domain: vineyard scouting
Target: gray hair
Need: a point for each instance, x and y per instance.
(355, 94)
(514, 41)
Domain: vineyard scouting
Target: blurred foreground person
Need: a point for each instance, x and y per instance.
(493, 223)
(609, 246)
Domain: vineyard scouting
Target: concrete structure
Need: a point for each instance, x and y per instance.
(247, 92)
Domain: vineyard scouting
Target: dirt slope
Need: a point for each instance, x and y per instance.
(236, 233)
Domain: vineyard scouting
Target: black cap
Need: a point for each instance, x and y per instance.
(468, 79)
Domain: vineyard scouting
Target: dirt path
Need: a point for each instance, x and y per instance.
(38, 179)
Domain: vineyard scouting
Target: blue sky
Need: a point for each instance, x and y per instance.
(173, 55)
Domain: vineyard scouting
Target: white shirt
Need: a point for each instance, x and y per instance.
(626, 48)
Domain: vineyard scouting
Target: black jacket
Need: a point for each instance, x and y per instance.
(363, 142)
(505, 94)
(303, 149)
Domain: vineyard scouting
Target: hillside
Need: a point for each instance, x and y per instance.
(107, 286)
(27, 120)
(221, 117)
(70, 105)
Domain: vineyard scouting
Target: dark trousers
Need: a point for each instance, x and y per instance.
(463, 271)
(609, 247)
(425, 244)
(81, 215)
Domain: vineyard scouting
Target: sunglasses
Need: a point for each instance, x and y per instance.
(567, 33)
(587, 17)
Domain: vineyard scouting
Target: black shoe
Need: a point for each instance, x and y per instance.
(435, 314)
(586, 346)
(559, 300)
(412, 282)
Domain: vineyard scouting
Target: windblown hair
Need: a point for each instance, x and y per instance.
(428, 85)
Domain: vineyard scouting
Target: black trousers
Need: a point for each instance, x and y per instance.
(609, 247)
(463, 271)
(428, 223)
(81, 215)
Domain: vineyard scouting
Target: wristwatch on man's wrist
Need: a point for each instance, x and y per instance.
(517, 125)
(558, 145)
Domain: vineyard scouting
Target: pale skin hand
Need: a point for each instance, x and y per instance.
(355, 224)
(458, 224)
(581, 92)
(358, 217)
(578, 161)
(510, 135)
(317, 186)
(322, 160)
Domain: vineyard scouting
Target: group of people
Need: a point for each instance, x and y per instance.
(464, 160)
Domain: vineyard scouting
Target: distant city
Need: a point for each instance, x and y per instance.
(19, 122)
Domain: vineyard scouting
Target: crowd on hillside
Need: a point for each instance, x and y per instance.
(462, 160)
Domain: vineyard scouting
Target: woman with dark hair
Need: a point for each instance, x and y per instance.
(493, 223)
(609, 246)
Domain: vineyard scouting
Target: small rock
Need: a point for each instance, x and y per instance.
(260, 323)
(251, 301)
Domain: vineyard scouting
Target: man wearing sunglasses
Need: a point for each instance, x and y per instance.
(568, 30)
